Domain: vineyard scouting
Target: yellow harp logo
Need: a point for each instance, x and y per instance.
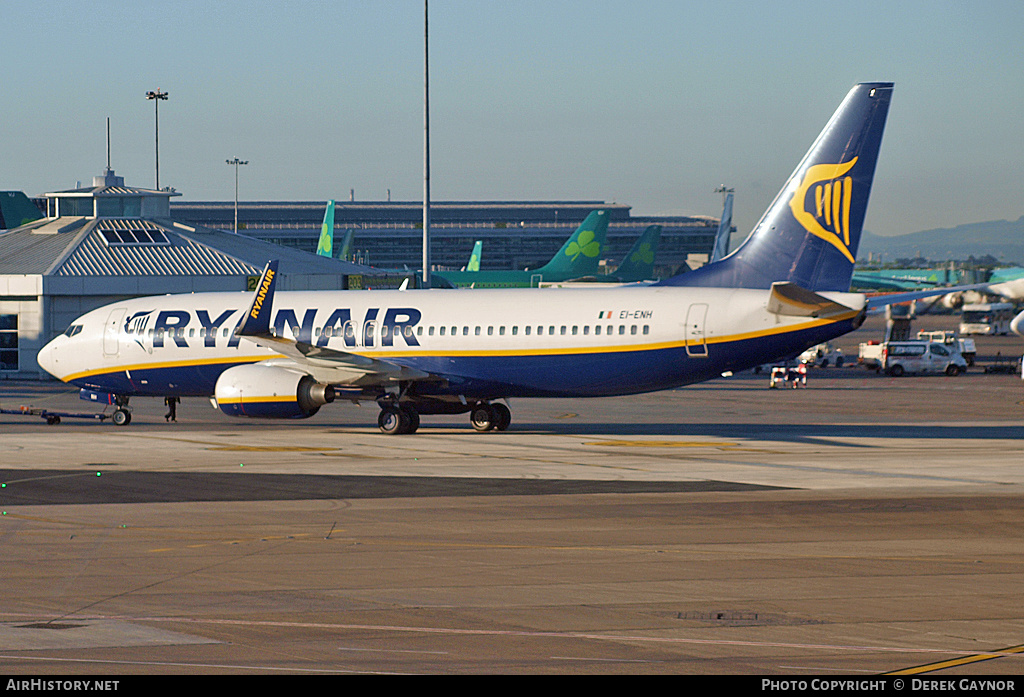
(830, 218)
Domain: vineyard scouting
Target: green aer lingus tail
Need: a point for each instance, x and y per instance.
(325, 247)
(639, 262)
(474, 258)
(578, 257)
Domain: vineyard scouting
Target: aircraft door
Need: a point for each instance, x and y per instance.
(696, 344)
(111, 331)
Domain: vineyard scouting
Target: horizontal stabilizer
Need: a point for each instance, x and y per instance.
(793, 300)
(897, 298)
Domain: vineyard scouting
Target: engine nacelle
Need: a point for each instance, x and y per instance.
(270, 392)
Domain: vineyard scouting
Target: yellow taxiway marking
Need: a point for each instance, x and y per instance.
(213, 445)
(954, 662)
(663, 444)
(272, 448)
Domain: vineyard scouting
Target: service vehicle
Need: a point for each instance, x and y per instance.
(901, 357)
(986, 318)
(966, 347)
(823, 355)
(869, 355)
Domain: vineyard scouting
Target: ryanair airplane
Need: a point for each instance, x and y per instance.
(421, 352)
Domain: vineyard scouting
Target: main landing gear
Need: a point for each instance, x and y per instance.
(490, 417)
(395, 419)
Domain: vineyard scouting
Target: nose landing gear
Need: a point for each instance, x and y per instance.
(122, 416)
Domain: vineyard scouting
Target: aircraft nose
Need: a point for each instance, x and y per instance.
(47, 358)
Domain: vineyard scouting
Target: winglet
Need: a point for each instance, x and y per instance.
(256, 321)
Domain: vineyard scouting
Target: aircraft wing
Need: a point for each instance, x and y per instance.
(325, 364)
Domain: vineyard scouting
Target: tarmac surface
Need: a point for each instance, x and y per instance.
(864, 525)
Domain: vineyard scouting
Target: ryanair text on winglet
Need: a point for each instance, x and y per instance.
(262, 294)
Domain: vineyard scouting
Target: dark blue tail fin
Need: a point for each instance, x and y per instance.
(810, 233)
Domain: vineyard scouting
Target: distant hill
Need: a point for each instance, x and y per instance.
(1003, 239)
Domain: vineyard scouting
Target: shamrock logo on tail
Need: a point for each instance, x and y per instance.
(584, 244)
(644, 254)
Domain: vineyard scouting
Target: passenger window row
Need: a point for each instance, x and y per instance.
(530, 330)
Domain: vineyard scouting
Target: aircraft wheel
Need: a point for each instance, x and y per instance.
(503, 417)
(483, 418)
(414, 419)
(839, 362)
(121, 417)
(393, 420)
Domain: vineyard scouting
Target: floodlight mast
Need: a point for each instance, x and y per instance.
(426, 152)
(236, 162)
(157, 97)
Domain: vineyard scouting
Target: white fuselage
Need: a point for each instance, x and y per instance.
(489, 343)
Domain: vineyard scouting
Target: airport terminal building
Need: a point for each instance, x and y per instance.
(515, 234)
(108, 242)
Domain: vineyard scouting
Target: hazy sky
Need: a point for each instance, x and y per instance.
(649, 103)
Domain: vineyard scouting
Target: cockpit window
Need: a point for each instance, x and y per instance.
(73, 329)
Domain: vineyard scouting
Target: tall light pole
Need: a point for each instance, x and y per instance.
(157, 97)
(236, 162)
(426, 153)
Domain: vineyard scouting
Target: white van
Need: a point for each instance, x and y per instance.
(899, 357)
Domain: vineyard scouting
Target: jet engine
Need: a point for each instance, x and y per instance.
(270, 392)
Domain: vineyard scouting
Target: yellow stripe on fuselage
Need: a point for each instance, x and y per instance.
(168, 364)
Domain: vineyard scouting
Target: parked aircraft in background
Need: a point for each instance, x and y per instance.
(325, 246)
(1017, 324)
(638, 264)
(474, 258)
(636, 267)
(418, 352)
(724, 231)
(16, 209)
(578, 257)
